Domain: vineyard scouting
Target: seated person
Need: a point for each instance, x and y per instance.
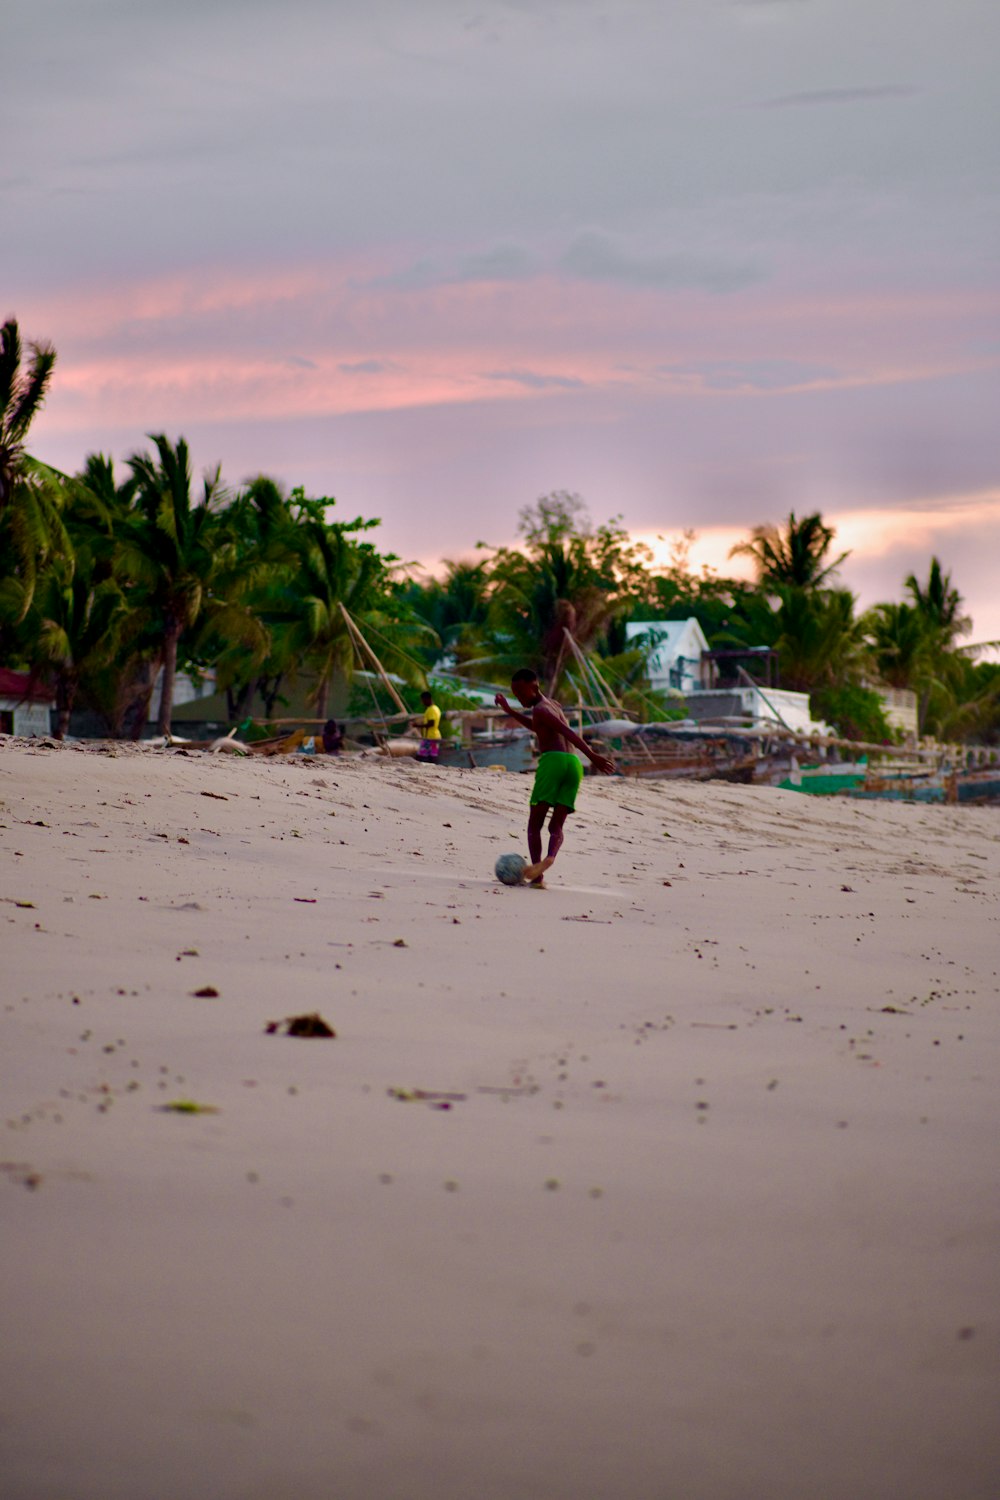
(333, 738)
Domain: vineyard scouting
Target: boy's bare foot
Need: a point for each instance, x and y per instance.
(533, 873)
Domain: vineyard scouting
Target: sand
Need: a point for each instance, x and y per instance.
(712, 1216)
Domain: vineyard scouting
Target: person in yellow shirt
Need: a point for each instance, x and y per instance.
(429, 725)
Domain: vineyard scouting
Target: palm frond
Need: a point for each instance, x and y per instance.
(29, 394)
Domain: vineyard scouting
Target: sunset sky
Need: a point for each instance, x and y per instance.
(701, 261)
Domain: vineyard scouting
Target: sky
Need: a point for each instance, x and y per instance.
(701, 262)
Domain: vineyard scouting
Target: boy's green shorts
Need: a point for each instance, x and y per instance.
(557, 778)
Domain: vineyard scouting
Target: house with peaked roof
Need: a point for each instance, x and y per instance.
(682, 662)
(674, 663)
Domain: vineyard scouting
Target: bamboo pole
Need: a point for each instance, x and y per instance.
(612, 696)
(589, 669)
(745, 675)
(359, 640)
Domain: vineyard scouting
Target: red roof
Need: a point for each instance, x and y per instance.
(18, 685)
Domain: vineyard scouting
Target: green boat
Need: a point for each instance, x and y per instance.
(826, 780)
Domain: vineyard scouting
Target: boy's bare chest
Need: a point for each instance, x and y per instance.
(546, 727)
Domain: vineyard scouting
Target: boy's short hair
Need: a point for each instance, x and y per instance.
(426, 697)
(524, 674)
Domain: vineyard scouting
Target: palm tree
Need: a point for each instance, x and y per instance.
(31, 497)
(99, 502)
(568, 578)
(820, 642)
(968, 703)
(913, 645)
(939, 604)
(180, 554)
(336, 573)
(903, 648)
(455, 606)
(795, 557)
(21, 395)
(103, 524)
(76, 624)
(546, 594)
(261, 522)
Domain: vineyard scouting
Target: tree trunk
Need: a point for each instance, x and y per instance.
(65, 694)
(270, 694)
(238, 701)
(245, 699)
(169, 675)
(322, 697)
(136, 706)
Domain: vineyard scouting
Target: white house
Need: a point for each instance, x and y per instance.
(24, 709)
(675, 661)
(761, 705)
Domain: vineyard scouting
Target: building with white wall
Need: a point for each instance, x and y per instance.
(674, 663)
(25, 708)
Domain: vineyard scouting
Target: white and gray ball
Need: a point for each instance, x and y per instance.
(510, 868)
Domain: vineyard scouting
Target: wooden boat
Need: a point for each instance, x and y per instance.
(942, 785)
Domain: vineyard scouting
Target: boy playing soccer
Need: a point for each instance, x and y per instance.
(559, 773)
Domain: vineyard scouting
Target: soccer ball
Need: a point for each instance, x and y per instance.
(510, 868)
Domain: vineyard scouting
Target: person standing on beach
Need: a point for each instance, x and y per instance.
(429, 725)
(559, 773)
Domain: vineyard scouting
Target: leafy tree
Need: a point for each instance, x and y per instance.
(455, 606)
(180, 554)
(31, 493)
(820, 641)
(903, 648)
(913, 646)
(795, 557)
(967, 706)
(733, 614)
(335, 573)
(260, 522)
(855, 712)
(75, 629)
(101, 522)
(567, 577)
(100, 507)
(939, 604)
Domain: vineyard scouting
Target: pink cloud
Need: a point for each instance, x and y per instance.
(675, 408)
(305, 340)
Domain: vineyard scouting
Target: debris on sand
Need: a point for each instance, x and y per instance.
(187, 1107)
(311, 1025)
(435, 1097)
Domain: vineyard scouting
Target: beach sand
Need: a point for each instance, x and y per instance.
(713, 1216)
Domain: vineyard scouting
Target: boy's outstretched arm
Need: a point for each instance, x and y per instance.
(512, 713)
